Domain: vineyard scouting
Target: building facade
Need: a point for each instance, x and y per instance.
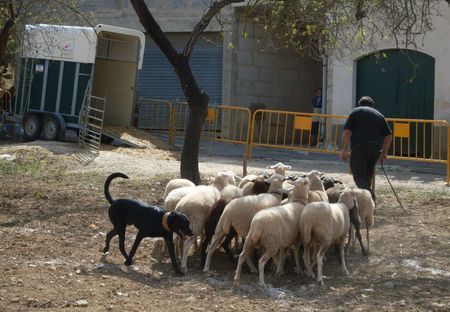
(403, 83)
(232, 68)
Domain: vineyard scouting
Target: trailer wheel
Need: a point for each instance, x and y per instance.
(32, 126)
(51, 128)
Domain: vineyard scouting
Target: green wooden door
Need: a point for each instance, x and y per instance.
(400, 82)
(402, 86)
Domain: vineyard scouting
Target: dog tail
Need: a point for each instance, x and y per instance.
(108, 181)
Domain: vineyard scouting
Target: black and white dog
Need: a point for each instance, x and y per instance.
(151, 221)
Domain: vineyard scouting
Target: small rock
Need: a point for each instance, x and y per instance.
(303, 287)
(15, 300)
(389, 284)
(364, 296)
(415, 288)
(368, 290)
(402, 302)
(81, 303)
(439, 305)
(312, 285)
(78, 271)
(333, 289)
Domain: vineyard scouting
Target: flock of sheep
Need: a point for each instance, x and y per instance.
(274, 214)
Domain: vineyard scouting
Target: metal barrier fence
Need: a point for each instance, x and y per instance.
(296, 131)
(413, 139)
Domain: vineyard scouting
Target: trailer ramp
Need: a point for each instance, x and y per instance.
(91, 122)
(129, 136)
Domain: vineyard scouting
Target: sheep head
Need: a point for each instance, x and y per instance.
(300, 190)
(348, 197)
(280, 168)
(276, 183)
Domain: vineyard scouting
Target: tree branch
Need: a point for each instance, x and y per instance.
(152, 28)
(204, 22)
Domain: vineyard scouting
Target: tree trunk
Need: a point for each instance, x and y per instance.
(189, 156)
(4, 37)
(196, 97)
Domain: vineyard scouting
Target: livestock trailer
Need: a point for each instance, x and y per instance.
(65, 70)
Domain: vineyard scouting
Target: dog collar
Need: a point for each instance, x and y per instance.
(164, 222)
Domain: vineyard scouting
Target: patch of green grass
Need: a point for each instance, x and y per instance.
(19, 166)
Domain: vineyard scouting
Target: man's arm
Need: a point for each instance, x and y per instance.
(386, 145)
(345, 139)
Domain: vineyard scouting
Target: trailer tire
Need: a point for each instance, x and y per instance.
(51, 128)
(32, 126)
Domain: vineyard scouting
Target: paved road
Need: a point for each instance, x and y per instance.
(236, 150)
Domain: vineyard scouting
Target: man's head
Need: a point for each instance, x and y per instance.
(366, 101)
(319, 91)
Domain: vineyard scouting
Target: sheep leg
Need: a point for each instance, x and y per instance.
(279, 258)
(212, 248)
(307, 261)
(243, 256)
(203, 247)
(296, 248)
(367, 237)
(358, 236)
(251, 265)
(356, 221)
(187, 243)
(236, 244)
(226, 246)
(320, 254)
(342, 253)
(262, 262)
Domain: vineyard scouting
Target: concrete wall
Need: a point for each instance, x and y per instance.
(171, 15)
(342, 77)
(279, 80)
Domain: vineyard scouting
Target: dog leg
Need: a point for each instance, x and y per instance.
(121, 233)
(137, 241)
(109, 236)
(170, 248)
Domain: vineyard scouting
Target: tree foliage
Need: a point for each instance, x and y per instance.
(15, 14)
(341, 27)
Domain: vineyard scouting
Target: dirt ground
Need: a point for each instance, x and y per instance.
(53, 220)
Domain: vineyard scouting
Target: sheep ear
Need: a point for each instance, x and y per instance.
(288, 167)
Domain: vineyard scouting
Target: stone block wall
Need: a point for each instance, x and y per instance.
(280, 80)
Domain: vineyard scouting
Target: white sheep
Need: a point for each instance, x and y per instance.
(366, 207)
(280, 168)
(324, 223)
(275, 229)
(174, 184)
(230, 192)
(365, 216)
(238, 214)
(223, 179)
(246, 179)
(196, 206)
(317, 189)
(175, 196)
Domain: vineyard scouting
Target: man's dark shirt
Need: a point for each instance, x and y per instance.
(367, 125)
